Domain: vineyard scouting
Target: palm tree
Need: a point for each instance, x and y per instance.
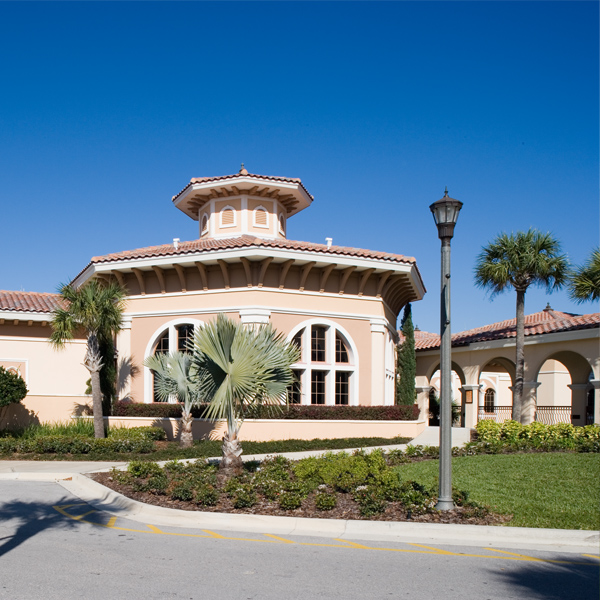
(518, 261)
(96, 309)
(584, 281)
(239, 367)
(175, 376)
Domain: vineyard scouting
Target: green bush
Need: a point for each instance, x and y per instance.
(12, 388)
(370, 500)
(325, 501)
(207, 495)
(137, 433)
(141, 469)
(182, 491)
(290, 500)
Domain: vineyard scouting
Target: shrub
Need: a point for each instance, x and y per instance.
(369, 499)
(138, 433)
(12, 388)
(290, 500)
(244, 497)
(325, 501)
(207, 495)
(142, 469)
(182, 491)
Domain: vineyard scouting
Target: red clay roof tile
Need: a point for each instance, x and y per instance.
(545, 321)
(28, 301)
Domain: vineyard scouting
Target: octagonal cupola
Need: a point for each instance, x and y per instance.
(242, 204)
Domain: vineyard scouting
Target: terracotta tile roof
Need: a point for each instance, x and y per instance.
(546, 321)
(239, 175)
(28, 301)
(247, 241)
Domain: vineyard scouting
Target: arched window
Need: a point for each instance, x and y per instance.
(228, 217)
(281, 223)
(176, 335)
(261, 217)
(204, 224)
(488, 400)
(327, 372)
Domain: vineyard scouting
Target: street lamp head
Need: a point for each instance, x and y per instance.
(445, 214)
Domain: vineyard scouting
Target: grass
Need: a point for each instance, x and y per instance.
(556, 490)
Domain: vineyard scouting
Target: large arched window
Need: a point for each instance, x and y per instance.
(327, 370)
(177, 335)
(488, 400)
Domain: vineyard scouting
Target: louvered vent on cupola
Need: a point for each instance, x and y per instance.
(261, 217)
(227, 217)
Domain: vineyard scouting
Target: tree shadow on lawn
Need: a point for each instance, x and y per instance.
(27, 519)
(551, 581)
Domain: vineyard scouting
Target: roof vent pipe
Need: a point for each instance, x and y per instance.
(176, 243)
(329, 242)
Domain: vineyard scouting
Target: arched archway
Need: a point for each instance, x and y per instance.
(458, 382)
(562, 395)
(494, 390)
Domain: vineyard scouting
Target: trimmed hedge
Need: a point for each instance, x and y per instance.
(293, 411)
(76, 444)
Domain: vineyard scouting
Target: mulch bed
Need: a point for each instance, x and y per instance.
(346, 508)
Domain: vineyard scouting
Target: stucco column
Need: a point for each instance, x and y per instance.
(423, 401)
(124, 361)
(529, 401)
(596, 384)
(470, 392)
(378, 329)
(578, 402)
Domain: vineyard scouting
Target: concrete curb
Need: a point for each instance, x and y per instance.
(105, 499)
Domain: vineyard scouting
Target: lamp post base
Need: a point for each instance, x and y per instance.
(445, 504)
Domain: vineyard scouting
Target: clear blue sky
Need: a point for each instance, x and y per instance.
(108, 109)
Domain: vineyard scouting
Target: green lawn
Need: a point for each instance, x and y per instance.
(555, 490)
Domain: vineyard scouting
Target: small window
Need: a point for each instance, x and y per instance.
(185, 337)
(341, 350)
(342, 387)
(295, 390)
(318, 343)
(228, 217)
(317, 395)
(261, 217)
(488, 400)
(281, 224)
(162, 346)
(204, 224)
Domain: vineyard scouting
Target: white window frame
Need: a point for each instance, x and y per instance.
(306, 364)
(171, 326)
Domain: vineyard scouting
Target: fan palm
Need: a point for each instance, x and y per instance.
(239, 367)
(518, 261)
(96, 309)
(176, 377)
(584, 281)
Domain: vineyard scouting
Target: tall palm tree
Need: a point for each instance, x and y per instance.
(238, 367)
(96, 309)
(518, 261)
(584, 281)
(176, 376)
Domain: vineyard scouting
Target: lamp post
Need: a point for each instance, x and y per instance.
(445, 214)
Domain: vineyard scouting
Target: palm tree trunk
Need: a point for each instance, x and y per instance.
(93, 363)
(186, 439)
(519, 359)
(231, 463)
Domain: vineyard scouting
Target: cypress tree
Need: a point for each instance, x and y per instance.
(406, 362)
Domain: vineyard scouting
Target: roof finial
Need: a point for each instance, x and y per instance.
(548, 307)
(243, 170)
(446, 192)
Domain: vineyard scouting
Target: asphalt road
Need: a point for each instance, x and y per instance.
(53, 546)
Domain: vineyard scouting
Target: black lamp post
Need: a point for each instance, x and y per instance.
(445, 214)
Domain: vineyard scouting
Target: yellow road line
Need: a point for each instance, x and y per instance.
(347, 544)
(520, 556)
(434, 550)
(354, 544)
(280, 539)
(592, 556)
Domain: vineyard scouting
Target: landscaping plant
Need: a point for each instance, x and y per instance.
(12, 390)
